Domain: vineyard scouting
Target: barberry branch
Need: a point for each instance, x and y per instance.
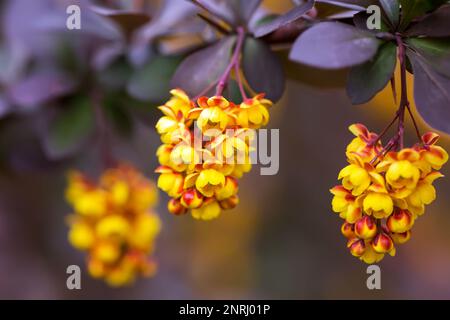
(234, 60)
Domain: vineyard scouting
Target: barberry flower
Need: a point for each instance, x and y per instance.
(383, 192)
(201, 175)
(118, 232)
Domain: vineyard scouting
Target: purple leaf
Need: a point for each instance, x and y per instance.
(39, 88)
(262, 69)
(435, 51)
(334, 45)
(436, 24)
(350, 4)
(128, 21)
(292, 15)
(432, 94)
(204, 67)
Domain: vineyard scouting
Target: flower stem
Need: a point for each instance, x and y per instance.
(404, 92)
(234, 60)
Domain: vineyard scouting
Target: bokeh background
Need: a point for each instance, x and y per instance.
(282, 241)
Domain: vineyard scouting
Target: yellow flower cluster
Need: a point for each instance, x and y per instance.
(206, 148)
(382, 194)
(114, 224)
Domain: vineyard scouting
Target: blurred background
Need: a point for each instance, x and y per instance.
(282, 241)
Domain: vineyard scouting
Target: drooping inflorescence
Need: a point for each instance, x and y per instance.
(114, 223)
(206, 148)
(384, 192)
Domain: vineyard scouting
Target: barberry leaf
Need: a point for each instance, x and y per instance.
(292, 15)
(151, 82)
(436, 52)
(202, 68)
(392, 10)
(39, 88)
(436, 24)
(431, 93)
(334, 45)
(350, 4)
(366, 80)
(70, 128)
(262, 69)
(415, 8)
(128, 21)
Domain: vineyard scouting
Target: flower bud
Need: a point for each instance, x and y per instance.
(174, 206)
(229, 203)
(191, 199)
(400, 221)
(348, 230)
(401, 238)
(365, 228)
(382, 243)
(356, 246)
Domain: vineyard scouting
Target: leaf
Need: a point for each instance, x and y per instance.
(204, 67)
(392, 10)
(431, 93)
(415, 8)
(220, 9)
(334, 45)
(436, 24)
(244, 10)
(39, 88)
(436, 52)
(262, 69)
(350, 4)
(70, 128)
(366, 80)
(152, 81)
(292, 15)
(128, 21)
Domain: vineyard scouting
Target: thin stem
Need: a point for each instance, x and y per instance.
(416, 127)
(239, 80)
(380, 136)
(234, 60)
(404, 92)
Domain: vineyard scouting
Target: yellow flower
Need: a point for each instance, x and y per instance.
(253, 113)
(210, 115)
(209, 181)
(345, 204)
(81, 235)
(355, 179)
(119, 240)
(230, 188)
(179, 102)
(423, 194)
(379, 205)
(362, 144)
(170, 182)
(209, 210)
(370, 256)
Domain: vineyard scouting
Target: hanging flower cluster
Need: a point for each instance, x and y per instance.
(383, 192)
(206, 148)
(113, 222)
